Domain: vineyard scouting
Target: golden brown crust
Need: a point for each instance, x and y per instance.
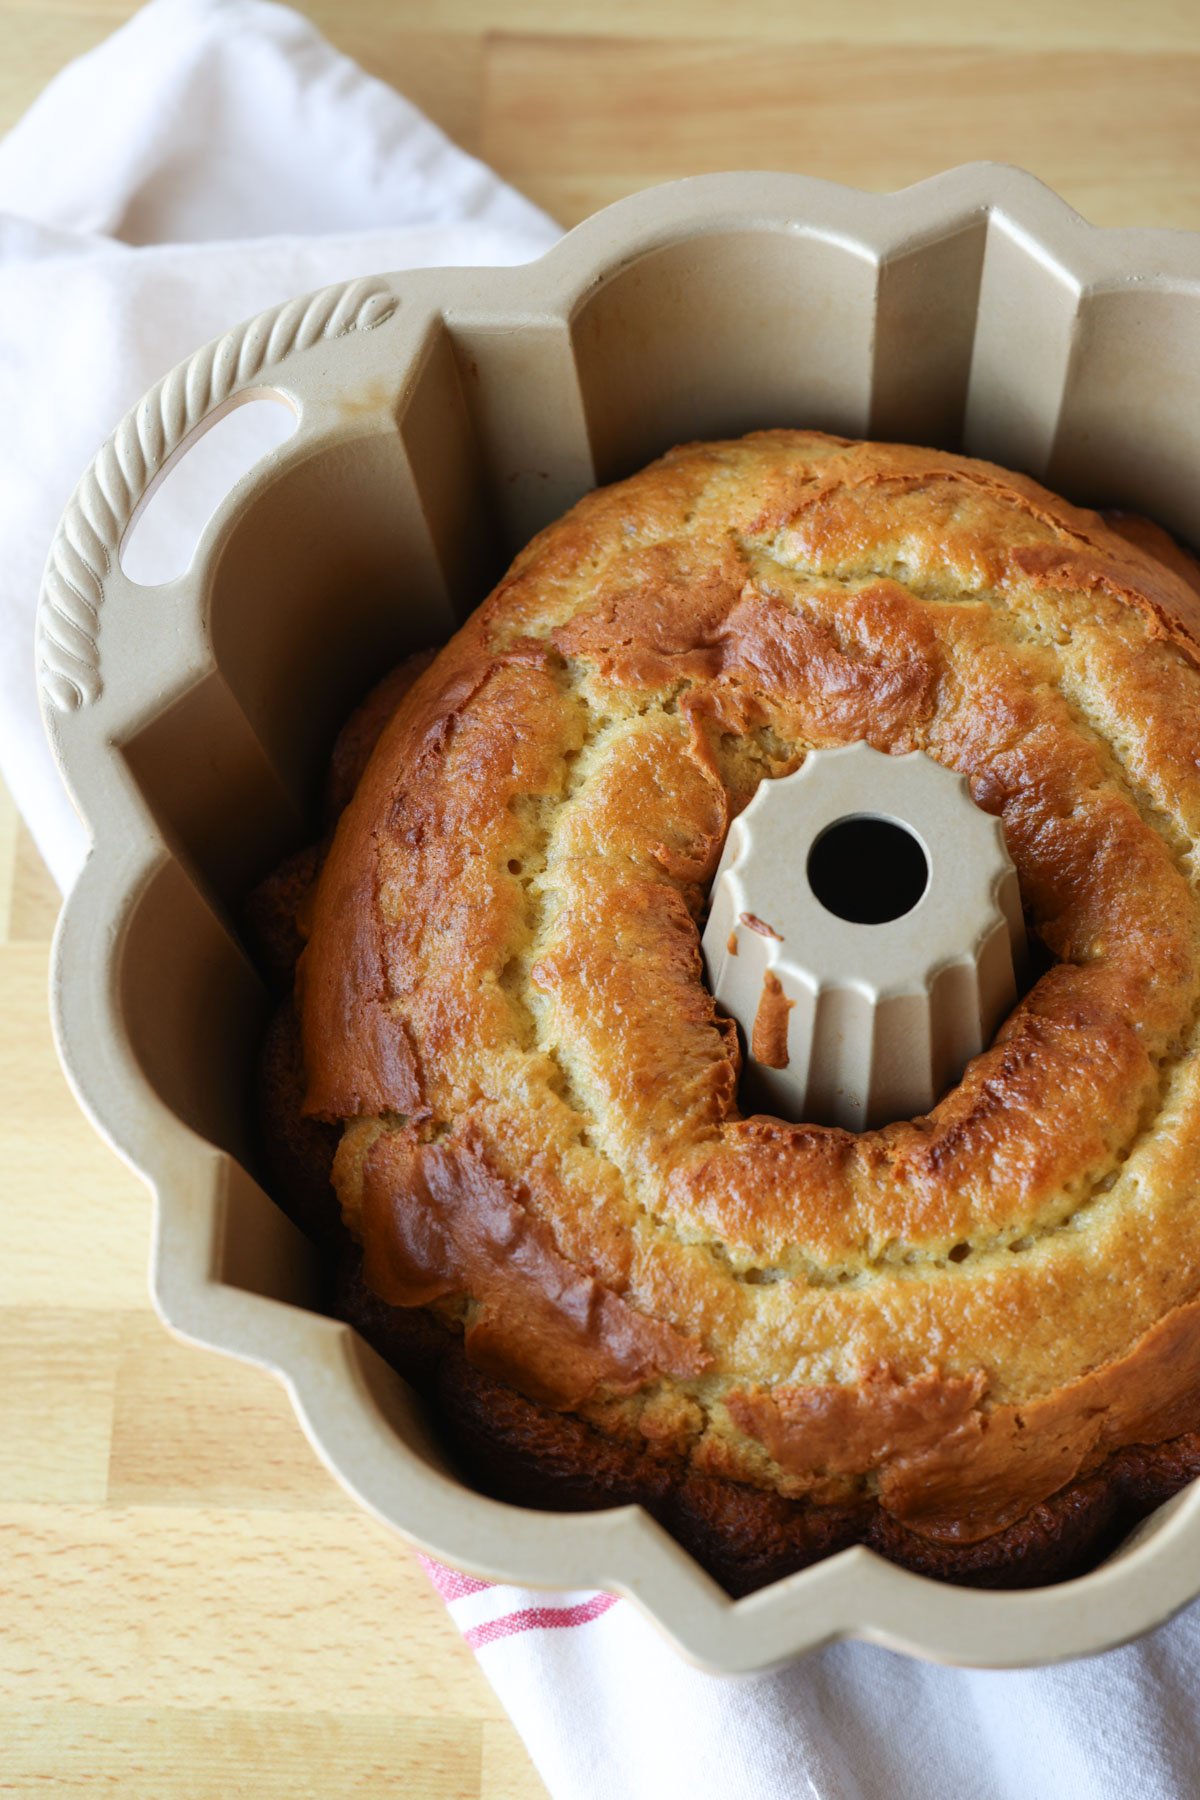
(747, 1537)
(532, 1454)
(962, 1314)
(437, 1220)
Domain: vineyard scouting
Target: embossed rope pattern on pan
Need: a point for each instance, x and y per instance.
(142, 449)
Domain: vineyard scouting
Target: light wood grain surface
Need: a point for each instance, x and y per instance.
(190, 1606)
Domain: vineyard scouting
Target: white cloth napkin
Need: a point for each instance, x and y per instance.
(213, 157)
(210, 159)
(609, 1712)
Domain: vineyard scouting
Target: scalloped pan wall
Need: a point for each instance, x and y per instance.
(443, 418)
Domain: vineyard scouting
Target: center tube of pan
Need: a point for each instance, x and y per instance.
(865, 931)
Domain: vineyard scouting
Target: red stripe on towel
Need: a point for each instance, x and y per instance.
(538, 1618)
(451, 1584)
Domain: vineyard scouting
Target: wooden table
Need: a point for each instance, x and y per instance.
(189, 1605)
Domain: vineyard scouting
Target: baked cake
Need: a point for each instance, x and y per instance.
(500, 1095)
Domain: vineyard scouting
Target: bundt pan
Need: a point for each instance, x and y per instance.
(443, 418)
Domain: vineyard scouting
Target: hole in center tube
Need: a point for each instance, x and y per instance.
(868, 870)
(161, 542)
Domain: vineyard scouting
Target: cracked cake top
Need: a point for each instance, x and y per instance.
(503, 1005)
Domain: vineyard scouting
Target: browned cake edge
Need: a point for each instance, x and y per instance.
(531, 1455)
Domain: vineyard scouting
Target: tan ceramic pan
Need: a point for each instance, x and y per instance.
(443, 417)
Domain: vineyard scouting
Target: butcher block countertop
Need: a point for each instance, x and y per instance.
(190, 1606)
